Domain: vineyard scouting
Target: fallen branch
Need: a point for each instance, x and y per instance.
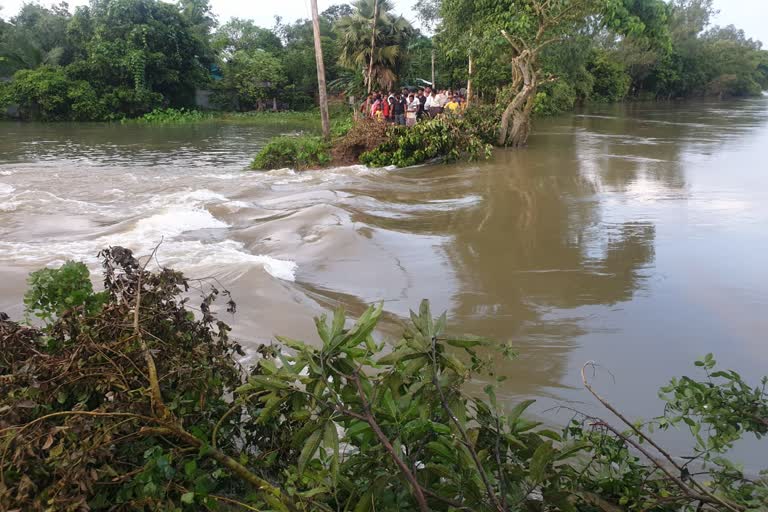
(702, 494)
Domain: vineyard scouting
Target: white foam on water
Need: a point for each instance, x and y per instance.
(186, 197)
(229, 176)
(6, 173)
(331, 174)
(174, 221)
(167, 225)
(194, 254)
(6, 190)
(237, 205)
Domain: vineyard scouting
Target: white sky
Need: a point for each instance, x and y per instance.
(750, 15)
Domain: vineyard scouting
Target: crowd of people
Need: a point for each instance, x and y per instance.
(407, 107)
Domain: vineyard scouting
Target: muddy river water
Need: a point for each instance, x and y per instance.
(634, 236)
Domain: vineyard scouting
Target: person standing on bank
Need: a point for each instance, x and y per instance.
(412, 111)
(398, 109)
(432, 106)
(422, 102)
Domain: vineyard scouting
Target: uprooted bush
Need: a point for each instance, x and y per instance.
(294, 152)
(364, 135)
(139, 404)
(445, 138)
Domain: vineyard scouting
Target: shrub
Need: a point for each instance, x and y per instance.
(48, 94)
(612, 81)
(174, 116)
(299, 153)
(446, 137)
(555, 99)
(483, 121)
(55, 292)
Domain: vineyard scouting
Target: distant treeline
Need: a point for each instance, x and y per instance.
(115, 59)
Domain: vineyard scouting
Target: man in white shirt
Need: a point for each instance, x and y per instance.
(432, 105)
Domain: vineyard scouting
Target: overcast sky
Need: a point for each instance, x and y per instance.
(750, 15)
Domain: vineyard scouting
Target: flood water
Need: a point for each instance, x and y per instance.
(633, 236)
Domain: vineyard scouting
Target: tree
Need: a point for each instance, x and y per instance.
(202, 21)
(146, 45)
(390, 39)
(529, 27)
(335, 12)
(255, 76)
(239, 34)
(323, 95)
(36, 36)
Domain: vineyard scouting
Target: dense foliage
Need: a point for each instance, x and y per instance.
(126, 400)
(293, 152)
(173, 116)
(123, 58)
(448, 138)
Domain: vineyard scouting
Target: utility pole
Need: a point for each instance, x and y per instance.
(471, 71)
(434, 85)
(320, 73)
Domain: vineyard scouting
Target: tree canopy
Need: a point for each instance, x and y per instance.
(130, 56)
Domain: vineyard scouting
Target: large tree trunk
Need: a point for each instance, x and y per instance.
(516, 119)
(324, 119)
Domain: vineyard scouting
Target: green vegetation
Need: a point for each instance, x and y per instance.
(449, 138)
(446, 138)
(392, 35)
(128, 401)
(174, 116)
(53, 293)
(294, 152)
(118, 59)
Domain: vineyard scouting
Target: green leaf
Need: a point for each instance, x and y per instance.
(397, 356)
(440, 325)
(539, 462)
(519, 410)
(291, 343)
(426, 318)
(338, 322)
(272, 403)
(310, 447)
(357, 428)
(322, 329)
(366, 502)
(569, 450)
(312, 492)
(389, 403)
(188, 498)
(440, 449)
(331, 441)
(467, 342)
(551, 434)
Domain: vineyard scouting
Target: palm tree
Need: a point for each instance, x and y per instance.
(24, 52)
(390, 39)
